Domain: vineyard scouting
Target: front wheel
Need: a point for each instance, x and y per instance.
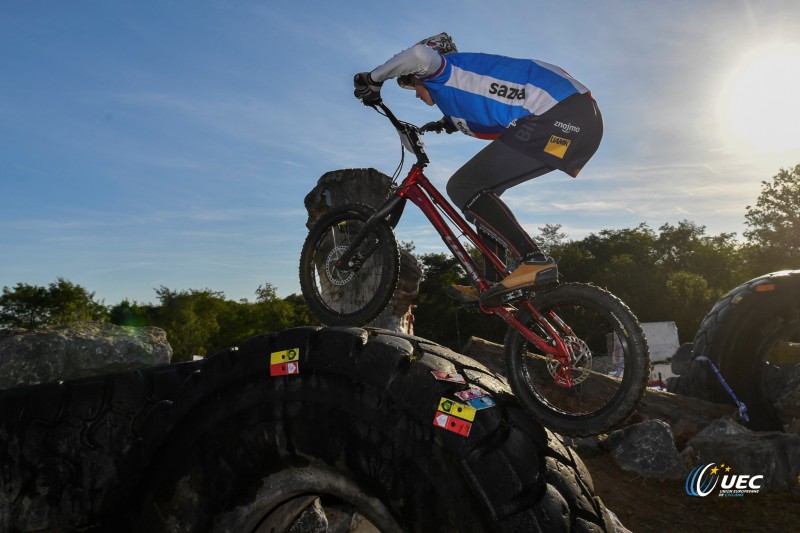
(609, 361)
(354, 294)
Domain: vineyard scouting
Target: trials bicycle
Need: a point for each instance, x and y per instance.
(576, 356)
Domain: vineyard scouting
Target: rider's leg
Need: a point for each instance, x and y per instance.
(493, 217)
(478, 197)
(499, 248)
(476, 187)
(468, 293)
(564, 138)
(534, 268)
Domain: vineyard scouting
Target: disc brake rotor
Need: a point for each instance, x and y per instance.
(580, 357)
(336, 275)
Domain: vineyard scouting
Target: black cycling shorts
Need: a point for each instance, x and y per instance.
(563, 138)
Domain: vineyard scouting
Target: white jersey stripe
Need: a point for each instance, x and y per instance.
(564, 74)
(535, 100)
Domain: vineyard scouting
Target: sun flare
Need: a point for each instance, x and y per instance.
(760, 109)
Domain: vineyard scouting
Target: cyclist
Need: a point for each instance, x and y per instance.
(538, 117)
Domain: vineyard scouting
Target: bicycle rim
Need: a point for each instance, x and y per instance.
(355, 294)
(608, 367)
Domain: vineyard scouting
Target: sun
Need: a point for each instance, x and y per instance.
(760, 105)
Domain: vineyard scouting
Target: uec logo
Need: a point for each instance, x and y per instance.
(697, 484)
(702, 481)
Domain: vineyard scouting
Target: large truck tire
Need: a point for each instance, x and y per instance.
(742, 335)
(347, 440)
(65, 447)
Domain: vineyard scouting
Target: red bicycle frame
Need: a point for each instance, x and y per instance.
(419, 189)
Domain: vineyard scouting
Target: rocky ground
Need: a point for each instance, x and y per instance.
(663, 440)
(644, 504)
(645, 501)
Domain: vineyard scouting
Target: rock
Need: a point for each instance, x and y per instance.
(686, 416)
(682, 358)
(369, 187)
(646, 449)
(773, 454)
(311, 520)
(77, 350)
(348, 186)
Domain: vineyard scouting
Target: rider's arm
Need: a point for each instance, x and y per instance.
(419, 60)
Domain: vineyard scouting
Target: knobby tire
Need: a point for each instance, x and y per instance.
(615, 379)
(742, 334)
(341, 297)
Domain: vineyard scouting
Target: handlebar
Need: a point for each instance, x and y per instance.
(409, 133)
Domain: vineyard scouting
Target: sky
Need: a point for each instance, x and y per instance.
(171, 143)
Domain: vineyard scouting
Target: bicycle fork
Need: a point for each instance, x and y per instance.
(390, 208)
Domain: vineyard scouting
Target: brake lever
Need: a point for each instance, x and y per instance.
(435, 127)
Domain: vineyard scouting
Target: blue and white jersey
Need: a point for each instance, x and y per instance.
(483, 94)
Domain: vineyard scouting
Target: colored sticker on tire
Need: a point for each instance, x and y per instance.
(452, 423)
(284, 362)
(454, 408)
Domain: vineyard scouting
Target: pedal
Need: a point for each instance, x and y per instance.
(515, 296)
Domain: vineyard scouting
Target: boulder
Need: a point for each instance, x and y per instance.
(365, 186)
(670, 434)
(773, 454)
(646, 449)
(77, 350)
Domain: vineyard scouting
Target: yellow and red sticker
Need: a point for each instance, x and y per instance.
(452, 423)
(285, 362)
(454, 416)
(454, 408)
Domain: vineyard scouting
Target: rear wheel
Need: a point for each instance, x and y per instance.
(354, 294)
(609, 361)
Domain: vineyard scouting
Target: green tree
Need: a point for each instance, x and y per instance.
(62, 302)
(202, 322)
(189, 319)
(302, 314)
(686, 247)
(550, 238)
(24, 306)
(438, 317)
(675, 274)
(774, 223)
(622, 261)
(687, 299)
(435, 315)
(127, 313)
